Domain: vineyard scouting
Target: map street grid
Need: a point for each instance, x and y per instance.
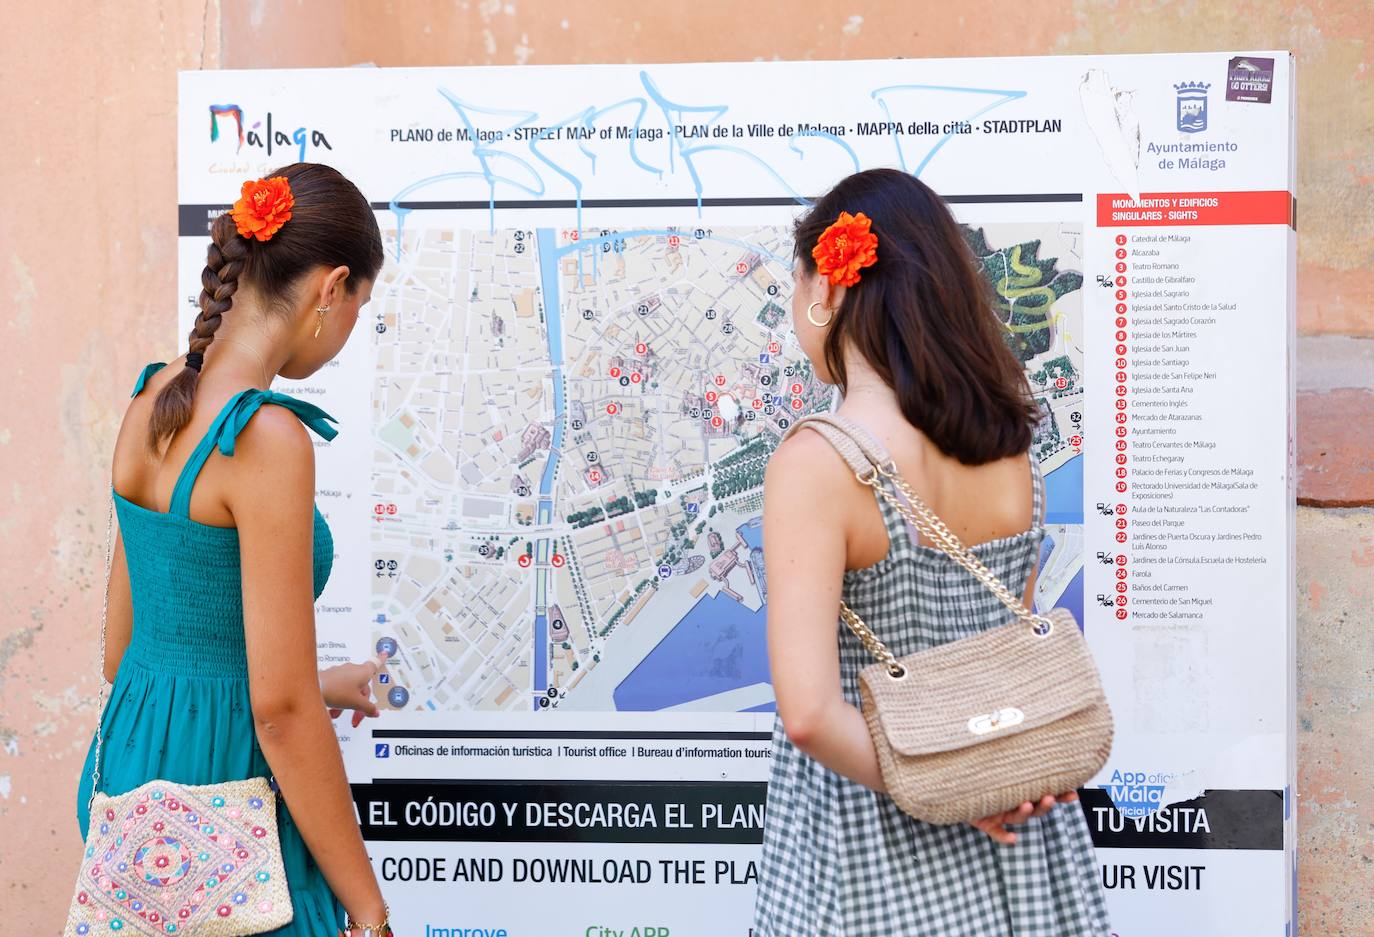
(570, 430)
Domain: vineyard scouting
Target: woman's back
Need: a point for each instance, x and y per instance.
(185, 577)
(980, 503)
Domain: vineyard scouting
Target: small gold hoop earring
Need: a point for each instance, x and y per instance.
(319, 323)
(811, 315)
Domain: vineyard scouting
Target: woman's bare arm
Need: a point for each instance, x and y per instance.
(804, 556)
(272, 499)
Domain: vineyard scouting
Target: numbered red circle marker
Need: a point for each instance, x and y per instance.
(1121, 445)
(1120, 268)
(635, 378)
(574, 235)
(720, 380)
(1121, 322)
(1120, 614)
(615, 372)
(525, 560)
(797, 404)
(1061, 382)
(712, 396)
(1121, 377)
(757, 404)
(1121, 362)
(641, 349)
(1121, 239)
(612, 409)
(1120, 294)
(379, 509)
(391, 509)
(594, 476)
(741, 267)
(774, 348)
(1120, 487)
(673, 240)
(558, 560)
(1120, 281)
(1075, 440)
(717, 422)
(797, 388)
(1121, 309)
(1121, 253)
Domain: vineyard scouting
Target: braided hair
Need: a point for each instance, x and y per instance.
(224, 263)
(331, 225)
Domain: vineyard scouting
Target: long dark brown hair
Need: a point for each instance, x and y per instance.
(923, 317)
(331, 225)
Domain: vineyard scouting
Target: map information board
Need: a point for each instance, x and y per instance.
(557, 410)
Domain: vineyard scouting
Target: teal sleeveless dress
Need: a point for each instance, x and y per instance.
(179, 707)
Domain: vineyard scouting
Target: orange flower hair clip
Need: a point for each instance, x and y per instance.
(264, 205)
(846, 247)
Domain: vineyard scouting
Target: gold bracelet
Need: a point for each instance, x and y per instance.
(370, 930)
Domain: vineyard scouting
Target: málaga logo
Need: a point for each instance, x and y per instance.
(262, 134)
(1191, 108)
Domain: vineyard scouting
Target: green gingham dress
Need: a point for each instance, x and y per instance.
(840, 860)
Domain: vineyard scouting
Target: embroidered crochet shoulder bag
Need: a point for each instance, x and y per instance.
(178, 859)
(979, 725)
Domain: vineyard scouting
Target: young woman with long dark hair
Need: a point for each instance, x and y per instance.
(210, 637)
(890, 307)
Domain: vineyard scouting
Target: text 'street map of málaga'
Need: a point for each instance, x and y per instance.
(570, 430)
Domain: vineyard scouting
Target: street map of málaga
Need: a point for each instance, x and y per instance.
(570, 432)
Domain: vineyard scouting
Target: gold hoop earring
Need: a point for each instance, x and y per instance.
(319, 323)
(811, 315)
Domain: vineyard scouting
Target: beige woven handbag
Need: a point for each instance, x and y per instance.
(980, 725)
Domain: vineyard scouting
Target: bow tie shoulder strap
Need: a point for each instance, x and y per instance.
(224, 432)
(243, 407)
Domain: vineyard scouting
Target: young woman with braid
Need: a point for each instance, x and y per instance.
(221, 551)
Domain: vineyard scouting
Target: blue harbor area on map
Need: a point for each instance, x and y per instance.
(1064, 493)
(718, 646)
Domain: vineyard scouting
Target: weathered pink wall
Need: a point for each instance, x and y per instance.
(87, 253)
(87, 259)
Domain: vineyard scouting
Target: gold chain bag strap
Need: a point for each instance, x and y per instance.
(982, 724)
(177, 859)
